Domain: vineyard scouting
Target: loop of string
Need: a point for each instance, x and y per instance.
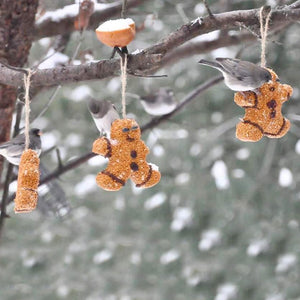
(263, 33)
(123, 66)
(27, 78)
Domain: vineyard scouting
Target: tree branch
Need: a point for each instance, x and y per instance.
(52, 26)
(149, 60)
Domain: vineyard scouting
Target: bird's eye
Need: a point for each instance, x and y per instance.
(125, 129)
(134, 127)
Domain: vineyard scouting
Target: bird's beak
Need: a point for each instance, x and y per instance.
(40, 133)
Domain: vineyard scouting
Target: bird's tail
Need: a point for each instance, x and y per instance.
(210, 63)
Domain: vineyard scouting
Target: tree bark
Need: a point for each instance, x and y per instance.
(16, 35)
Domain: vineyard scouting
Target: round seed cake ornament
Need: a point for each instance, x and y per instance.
(263, 115)
(125, 150)
(29, 175)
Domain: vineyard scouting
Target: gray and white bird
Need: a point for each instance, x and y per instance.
(159, 103)
(103, 113)
(13, 149)
(240, 75)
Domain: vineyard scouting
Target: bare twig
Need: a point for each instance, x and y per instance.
(149, 60)
(209, 11)
(67, 167)
(47, 105)
(124, 7)
(9, 173)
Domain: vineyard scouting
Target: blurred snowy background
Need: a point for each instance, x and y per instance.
(222, 224)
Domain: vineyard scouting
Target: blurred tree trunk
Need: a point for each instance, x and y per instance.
(16, 28)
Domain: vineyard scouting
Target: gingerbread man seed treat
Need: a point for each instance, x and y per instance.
(127, 157)
(263, 115)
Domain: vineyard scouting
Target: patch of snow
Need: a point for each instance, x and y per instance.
(136, 258)
(242, 154)
(210, 36)
(155, 201)
(157, 25)
(226, 291)
(135, 190)
(77, 247)
(86, 185)
(63, 291)
(80, 212)
(199, 9)
(286, 262)
(198, 20)
(70, 11)
(257, 247)
(170, 134)
(285, 177)
(53, 59)
(41, 122)
(216, 152)
(297, 147)
(45, 42)
(209, 239)
(114, 85)
(43, 190)
(113, 25)
(59, 14)
(275, 297)
(182, 178)
(158, 150)
(169, 257)
(294, 224)
(97, 161)
(80, 93)
(221, 52)
(49, 139)
(136, 51)
(29, 262)
(182, 218)
(238, 173)
(13, 186)
(195, 149)
(216, 117)
(102, 257)
(47, 236)
(154, 167)
(73, 140)
(120, 203)
(220, 174)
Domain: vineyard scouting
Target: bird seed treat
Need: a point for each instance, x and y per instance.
(127, 157)
(116, 33)
(263, 115)
(28, 182)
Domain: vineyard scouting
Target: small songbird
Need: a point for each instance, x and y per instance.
(159, 103)
(240, 75)
(13, 149)
(103, 113)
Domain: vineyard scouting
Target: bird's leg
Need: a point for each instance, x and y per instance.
(113, 52)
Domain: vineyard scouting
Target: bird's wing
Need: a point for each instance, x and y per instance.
(149, 98)
(14, 150)
(237, 68)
